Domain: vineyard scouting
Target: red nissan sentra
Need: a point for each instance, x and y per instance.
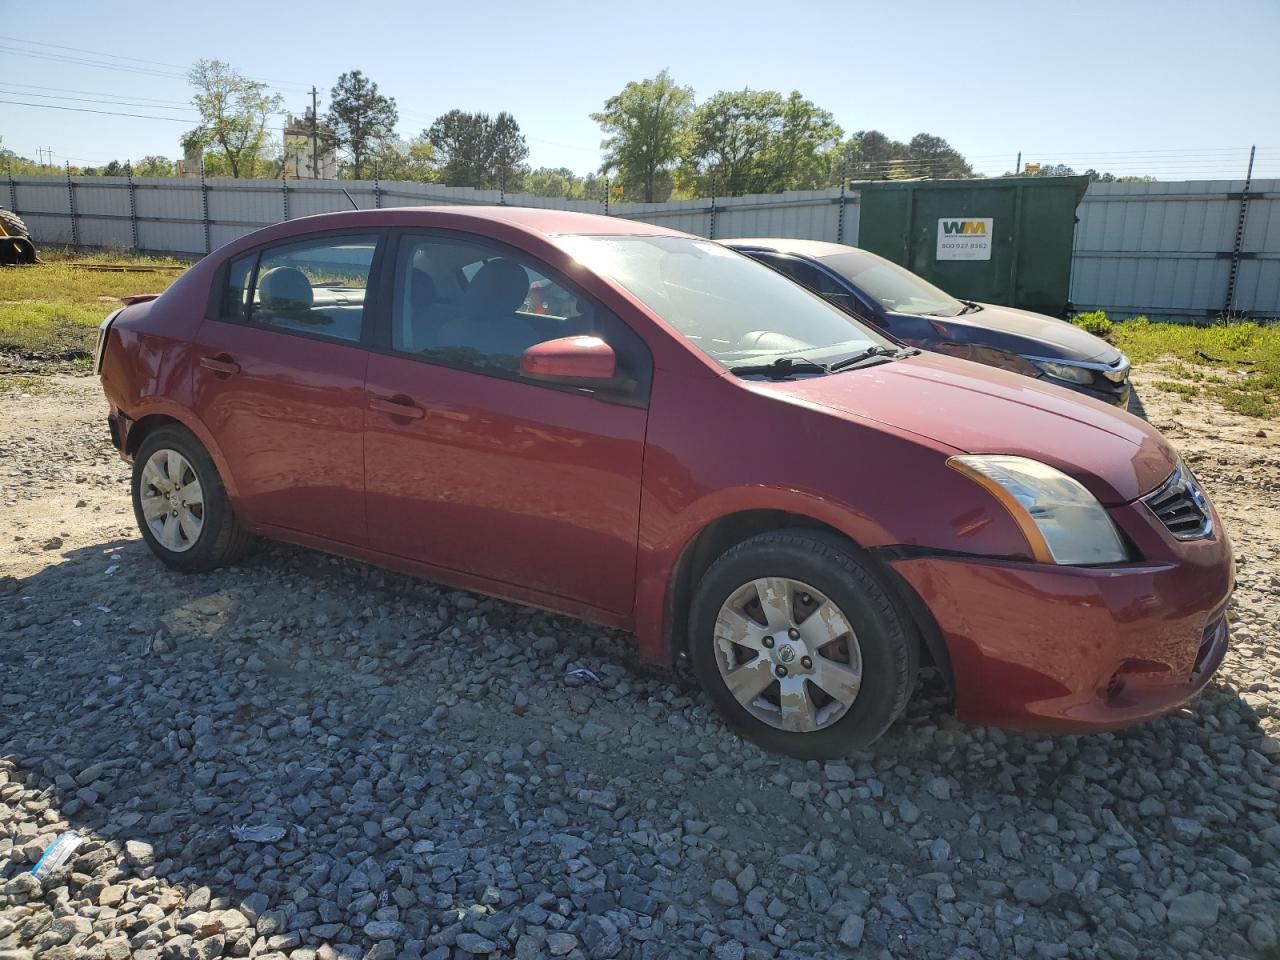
(651, 431)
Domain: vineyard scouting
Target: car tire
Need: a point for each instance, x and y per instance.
(192, 528)
(805, 573)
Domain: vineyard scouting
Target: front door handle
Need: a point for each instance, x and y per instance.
(222, 365)
(398, 407)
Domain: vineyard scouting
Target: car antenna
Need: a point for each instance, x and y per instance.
(354, 205)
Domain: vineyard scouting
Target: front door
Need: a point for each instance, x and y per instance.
(469, 467)
(280, 384)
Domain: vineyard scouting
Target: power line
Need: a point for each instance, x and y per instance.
(97, 53)
(109, 113)
(110, 102)
(42, 86)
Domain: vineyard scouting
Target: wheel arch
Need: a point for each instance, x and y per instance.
(719, 535)
(171, 414)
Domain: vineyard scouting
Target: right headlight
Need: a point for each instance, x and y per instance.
(1062, 521)
(1066, 371)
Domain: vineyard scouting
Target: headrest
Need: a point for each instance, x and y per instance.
(422, 289)
(497, 289)
(285, 288)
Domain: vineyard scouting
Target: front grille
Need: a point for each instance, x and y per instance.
(1181, 506)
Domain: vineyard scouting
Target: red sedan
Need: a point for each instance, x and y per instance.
(654, 432)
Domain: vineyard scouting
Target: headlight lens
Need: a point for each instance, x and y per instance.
(1062, 521)
(1066, 371)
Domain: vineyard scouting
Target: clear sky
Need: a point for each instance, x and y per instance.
(1175, 89)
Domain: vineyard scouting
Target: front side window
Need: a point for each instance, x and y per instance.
(471, 303)
(316, 287)
(727, 305)
(895, 288)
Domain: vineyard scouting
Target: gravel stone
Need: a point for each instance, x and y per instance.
(448, 788)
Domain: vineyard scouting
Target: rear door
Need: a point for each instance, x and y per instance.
(473, 468)
(280, 382)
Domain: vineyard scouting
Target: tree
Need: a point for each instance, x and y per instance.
(934, 157)
(476, 150)
(153, 165)
(359, 117)
(233, 115)
(645, 124)
(798, 155)
(553, 182)
(728, 135)
(508, 152)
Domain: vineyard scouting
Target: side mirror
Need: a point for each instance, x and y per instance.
(575, 361)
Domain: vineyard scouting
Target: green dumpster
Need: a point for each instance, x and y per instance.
(1005, 241)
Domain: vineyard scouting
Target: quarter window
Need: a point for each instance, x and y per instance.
(316, 287)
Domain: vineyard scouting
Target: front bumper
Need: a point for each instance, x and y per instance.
(1071, 649)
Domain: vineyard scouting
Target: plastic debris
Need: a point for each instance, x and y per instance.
(583, 672)
(262, 833)
(56, 855)
(112, 569)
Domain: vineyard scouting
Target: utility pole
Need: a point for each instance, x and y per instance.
(1017, 167)
(315, 134)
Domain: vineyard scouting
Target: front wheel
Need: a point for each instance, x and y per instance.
(181, 506)
(799, 645)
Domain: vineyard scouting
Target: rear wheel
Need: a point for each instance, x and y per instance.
(180, 504)
(799, 645)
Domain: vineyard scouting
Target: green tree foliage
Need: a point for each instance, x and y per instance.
(234, 111)
(757, 141)
(359, 118)
(401, 160)
(871, 155)
(728, 137)
(798, 156)
(646, 126)
(153, 165)
(476, 150)
(553, 182)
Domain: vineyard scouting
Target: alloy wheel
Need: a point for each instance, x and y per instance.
(788, 654)
(172, 501)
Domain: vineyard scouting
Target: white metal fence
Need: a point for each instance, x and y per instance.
(1178, 250)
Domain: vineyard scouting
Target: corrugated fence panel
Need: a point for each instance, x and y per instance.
(1163, 249)
(1258, 285)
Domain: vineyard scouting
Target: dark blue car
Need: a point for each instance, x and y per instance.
(916, 312)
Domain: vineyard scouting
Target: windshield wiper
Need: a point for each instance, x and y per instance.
(969, 307)
(869, 356)
(781, 368)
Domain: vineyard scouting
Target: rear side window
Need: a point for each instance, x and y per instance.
(316, 287)
(235, 291)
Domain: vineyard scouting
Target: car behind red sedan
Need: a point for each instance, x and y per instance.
(651, 431)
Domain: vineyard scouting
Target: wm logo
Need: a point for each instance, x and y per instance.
(964, 227)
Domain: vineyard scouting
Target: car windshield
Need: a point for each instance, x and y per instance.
(895, 288)
(729, 306)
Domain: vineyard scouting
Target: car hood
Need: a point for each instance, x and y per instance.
(977, 409)
(1029, 334)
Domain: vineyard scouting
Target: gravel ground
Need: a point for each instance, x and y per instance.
(445, 784)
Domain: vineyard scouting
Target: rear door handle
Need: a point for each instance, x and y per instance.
(221, 364)
(397, 407)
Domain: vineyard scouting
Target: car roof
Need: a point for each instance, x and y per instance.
(533, 219)
(816, 249)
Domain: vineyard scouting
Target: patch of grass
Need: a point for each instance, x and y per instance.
(1095, 321)
(22, 383)
(1236, 364)
(52, 309)
(1186, 390)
